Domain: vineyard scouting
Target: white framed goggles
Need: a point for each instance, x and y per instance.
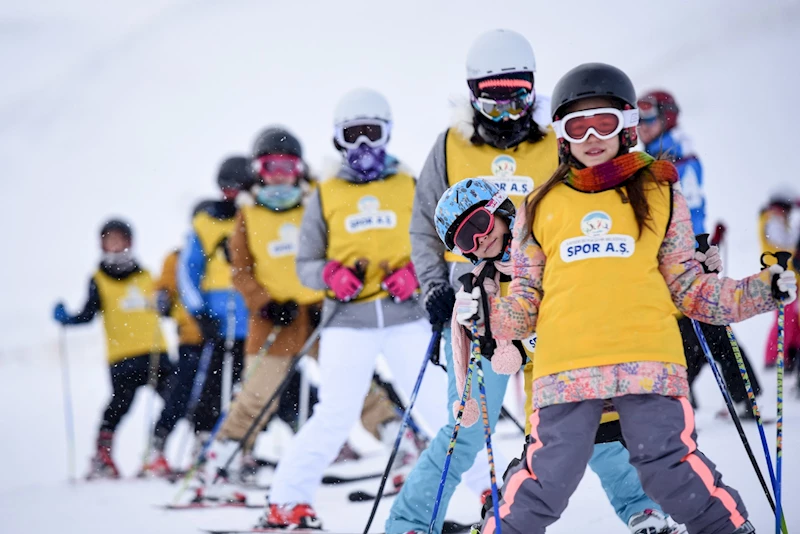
(603, 123)
(372, 132)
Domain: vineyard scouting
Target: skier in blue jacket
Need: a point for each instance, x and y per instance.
(206, 288)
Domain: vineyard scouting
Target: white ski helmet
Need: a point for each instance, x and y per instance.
(362, 104)
(499, 52)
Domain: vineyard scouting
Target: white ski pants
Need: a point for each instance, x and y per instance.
(346, 364)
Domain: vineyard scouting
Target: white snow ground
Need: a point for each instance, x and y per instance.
(110, 108)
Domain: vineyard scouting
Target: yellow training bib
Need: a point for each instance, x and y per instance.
(272, 237)
(213, 234)
(605, 301)
(129, 316)
(369, 221)
(518, 170)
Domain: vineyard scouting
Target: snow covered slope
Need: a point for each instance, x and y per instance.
(127, 109)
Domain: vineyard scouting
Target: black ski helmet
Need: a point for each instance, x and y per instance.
(594, 80)
(275, 140)
(234, 173)
(117, 225)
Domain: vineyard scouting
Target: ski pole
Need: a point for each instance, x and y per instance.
(452, 445)
(69, 422)
(226, 388)
(734, 416)
(433, 347)
(304, 350)
(487, 428)
(702, 241)
(222, 417)
(152, 382)
(703, 246)
(779, 424)
(197, 389)
(508, 415)
(782, 260)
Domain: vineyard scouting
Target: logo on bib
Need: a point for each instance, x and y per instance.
(134, 300)
(370, 217)
(503, 169)
(286, 244)
(598, 242)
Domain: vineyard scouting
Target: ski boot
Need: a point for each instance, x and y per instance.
(213, 483)
(248, 472)
(346, 454)
(102, 464)
(654, 522)
(156, 464)
(747, 528)
(290, 517)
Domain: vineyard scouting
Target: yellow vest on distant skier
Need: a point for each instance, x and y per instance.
(213, 234)
(766, 244)
(369, 221)
(129, 316)
(272, 237)
(517, 170)
(625, 313)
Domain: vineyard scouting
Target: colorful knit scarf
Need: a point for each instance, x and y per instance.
(614, 172)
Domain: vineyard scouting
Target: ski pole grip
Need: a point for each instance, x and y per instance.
(703, 246)
(702, 243)
(783, 258)
(467, 281)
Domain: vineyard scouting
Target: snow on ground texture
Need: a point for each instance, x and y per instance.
(108, 109)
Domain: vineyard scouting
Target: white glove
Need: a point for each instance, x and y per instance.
(710, 259)
(786, 281)
(468, 306)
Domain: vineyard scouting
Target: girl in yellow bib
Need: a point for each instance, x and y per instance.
(601, 255)
(125, 294)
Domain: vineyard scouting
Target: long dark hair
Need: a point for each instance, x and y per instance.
(634, 194)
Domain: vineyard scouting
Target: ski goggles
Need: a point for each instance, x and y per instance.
(498, 109)
(279, 169)
(476, 225)
(374, 133)
(604, 123)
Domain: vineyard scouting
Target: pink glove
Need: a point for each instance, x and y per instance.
(343, 281)
(401, 284)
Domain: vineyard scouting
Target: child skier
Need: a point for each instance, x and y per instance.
(663, 138)
(474, 218)
(778, 230)
(263, 250)
(601, 255)
(354, 243)
(207, 292)
(190, 345)
(137, 354)
(502, 138)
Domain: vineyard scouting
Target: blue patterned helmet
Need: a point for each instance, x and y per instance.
(460, 200)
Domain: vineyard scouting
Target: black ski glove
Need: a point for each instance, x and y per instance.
(439, 304)
(281, 313)
(209, 326)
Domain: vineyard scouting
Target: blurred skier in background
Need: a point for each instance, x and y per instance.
(206, 290)
(663, 138)
(124, 293)
(779, 229)
(190, 345)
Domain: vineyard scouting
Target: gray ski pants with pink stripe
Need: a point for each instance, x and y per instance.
(660, 435)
